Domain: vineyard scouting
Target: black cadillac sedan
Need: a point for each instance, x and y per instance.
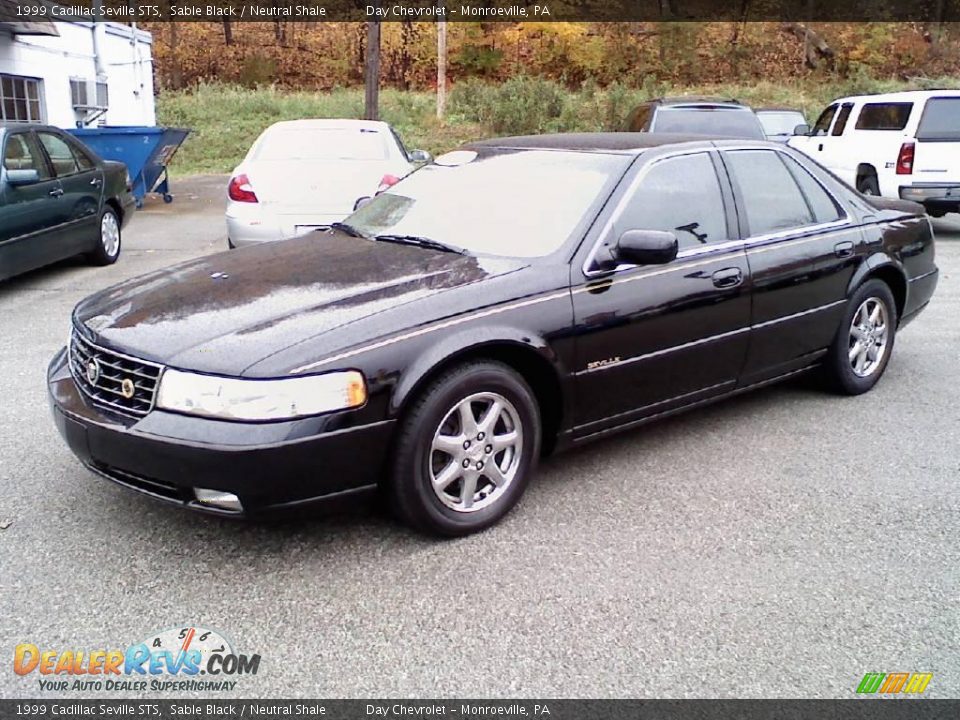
(518, 296)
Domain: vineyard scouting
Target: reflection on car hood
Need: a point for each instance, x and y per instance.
(224, 312)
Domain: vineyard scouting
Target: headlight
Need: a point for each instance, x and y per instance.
(236, 399)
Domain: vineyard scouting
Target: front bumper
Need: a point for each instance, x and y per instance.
(944, 198)
(268, 466)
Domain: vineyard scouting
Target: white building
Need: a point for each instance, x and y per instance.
(70, 73)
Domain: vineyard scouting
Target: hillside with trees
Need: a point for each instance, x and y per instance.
(321, 55)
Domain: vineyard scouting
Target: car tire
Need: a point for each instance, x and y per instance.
(868, 185)
(864, 342)
(430, 487)
(108, 243)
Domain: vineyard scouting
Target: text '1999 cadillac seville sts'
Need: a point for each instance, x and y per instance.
(517, 296)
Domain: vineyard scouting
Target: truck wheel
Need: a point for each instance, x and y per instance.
(868, 185)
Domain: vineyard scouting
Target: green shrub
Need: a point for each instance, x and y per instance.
(226, 119)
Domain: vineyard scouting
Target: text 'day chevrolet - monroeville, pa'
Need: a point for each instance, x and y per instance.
(517, 296)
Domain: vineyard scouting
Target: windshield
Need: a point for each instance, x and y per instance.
(321, 143)
(780, 123)
(727, 122)
(941, 120)
(519, 204)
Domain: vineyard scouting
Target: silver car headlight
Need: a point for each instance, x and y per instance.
(283, 399)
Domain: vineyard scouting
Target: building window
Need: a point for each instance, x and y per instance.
(20, 99)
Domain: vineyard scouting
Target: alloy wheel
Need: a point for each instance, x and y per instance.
(869, 334)
(109, 234)
(476, 451)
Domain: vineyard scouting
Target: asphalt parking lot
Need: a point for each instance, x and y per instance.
(779, 545)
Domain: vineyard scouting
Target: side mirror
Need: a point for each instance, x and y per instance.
(419, 156)
(801, 129)
(646, 247)
(22, 177)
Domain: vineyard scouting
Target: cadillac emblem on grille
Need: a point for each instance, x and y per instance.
(113, 381)
(127, 388)
(93, 372)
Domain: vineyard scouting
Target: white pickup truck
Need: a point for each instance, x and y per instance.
(899, 145)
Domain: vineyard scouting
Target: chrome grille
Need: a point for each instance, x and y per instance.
(115, 382)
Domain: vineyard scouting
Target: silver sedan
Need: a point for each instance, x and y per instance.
(303, 174)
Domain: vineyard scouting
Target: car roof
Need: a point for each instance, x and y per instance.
(696, 100)
(902, 96)
(11, 125)
(331, 123)
(778, 109)
(630, 143)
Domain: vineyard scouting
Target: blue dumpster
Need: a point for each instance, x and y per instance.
(146, 151)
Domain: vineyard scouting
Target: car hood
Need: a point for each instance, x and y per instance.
(224, 312)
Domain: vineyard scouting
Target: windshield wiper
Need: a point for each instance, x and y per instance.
(348, 229)
(421, 241)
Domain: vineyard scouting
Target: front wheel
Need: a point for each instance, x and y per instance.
(108, 247)
(864, 341)
(466, 450)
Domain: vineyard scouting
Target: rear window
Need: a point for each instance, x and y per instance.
(726, 122)
(780, 123)
(884, 116)
(334, 143)
(941, 120)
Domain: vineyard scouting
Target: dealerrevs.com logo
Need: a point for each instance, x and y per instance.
(180, 659)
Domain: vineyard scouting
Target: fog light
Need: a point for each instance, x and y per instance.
(218, 498)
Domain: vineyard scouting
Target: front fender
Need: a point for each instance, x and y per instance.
(473, 342)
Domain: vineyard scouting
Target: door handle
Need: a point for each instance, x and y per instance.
(820, 147)
(57, 192)
(95, 182)
(843, 249)
(728, 277)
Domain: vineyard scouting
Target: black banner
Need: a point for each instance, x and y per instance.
(926, 11)
(859, 709)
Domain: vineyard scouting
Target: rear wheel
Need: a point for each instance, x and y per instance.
(108, 248)
(864, 340)
(868, 185)
(466, 450)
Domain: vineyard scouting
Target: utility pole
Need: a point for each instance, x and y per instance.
(441, 66)
(371, 98)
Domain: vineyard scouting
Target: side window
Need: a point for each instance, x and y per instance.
(682, 195)
(823, 206)
(639, 119)
(772, 199)
(84, 161)
(884, 116)
(840, 125)
(823, 122)
(64, 163)
(399, 142)
(21, 153)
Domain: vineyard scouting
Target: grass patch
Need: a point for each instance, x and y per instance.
(227, 119)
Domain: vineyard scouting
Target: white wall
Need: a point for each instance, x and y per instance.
(126, 58)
